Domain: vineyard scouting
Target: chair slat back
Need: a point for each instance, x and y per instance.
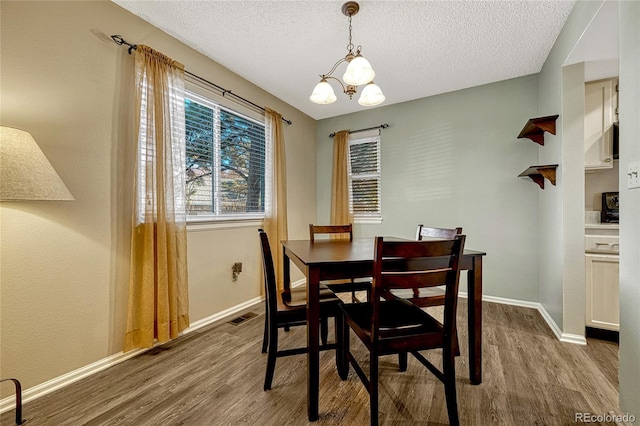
(412, 264)
(333, 230)
(413, 279)
(431, 233)
(270, 286)
(408, 264)
(407, 250)
(427, 232)
(416, 265)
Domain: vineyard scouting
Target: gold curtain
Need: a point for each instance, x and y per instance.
(158, 306)
(275, 222)
(340, 209)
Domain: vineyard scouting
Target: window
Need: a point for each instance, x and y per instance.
(364, 174)
(225, 162)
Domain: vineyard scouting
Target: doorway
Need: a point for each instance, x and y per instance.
(594, 58)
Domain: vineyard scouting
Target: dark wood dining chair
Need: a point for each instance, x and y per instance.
(341, 286)
(431, 296)
(299, 294)
(345, 230)
(290, 311)
(429, 232)
(390, 326)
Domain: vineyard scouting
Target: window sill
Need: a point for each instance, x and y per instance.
(368, 220)
(209, 224)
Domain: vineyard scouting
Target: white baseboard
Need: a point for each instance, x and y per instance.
(59, 382)
(575, 339)
(563, 337)
(220, 315)
(42, 389)
(298, 283)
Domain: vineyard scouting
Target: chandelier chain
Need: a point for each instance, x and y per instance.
(350, 45)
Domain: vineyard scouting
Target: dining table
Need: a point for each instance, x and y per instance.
(332, 259)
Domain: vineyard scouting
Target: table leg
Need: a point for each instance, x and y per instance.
(474, 282)
(286, 273)
(313, 353)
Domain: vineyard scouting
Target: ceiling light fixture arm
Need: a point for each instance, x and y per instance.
(334, 68)
(348, 89)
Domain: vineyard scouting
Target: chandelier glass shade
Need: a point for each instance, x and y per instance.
(323, 93)
(371, 95)
(358, 72)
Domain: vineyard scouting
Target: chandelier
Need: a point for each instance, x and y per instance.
(358, 72)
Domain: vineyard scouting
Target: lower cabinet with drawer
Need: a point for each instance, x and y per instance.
(602, 281)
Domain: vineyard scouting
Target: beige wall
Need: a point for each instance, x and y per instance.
(64, 264)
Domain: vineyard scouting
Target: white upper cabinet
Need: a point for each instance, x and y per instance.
(600, 104)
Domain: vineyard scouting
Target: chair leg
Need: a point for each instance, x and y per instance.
(449, 371)
(402, 361)
(343, 346)
(373, 387)
(271, 358)
(324, 329)
(265, 338)
(340, 352)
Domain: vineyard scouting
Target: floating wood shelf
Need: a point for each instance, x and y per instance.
(539, 173)
(535, 128)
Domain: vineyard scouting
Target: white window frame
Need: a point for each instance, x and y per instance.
(199, 93)
(359, 138)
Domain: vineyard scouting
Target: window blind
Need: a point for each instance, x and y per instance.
(365, 176)
(225, 160)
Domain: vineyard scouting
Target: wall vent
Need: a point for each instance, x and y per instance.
(242, 318)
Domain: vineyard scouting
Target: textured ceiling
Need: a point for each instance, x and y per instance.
(417, 48)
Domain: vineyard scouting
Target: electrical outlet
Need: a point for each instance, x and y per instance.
(235, 270)
(633, 180)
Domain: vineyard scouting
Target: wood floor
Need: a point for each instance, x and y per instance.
(214, 376)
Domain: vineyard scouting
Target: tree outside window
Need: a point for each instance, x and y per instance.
(225, 167)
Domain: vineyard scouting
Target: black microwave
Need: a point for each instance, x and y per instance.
(610, 207)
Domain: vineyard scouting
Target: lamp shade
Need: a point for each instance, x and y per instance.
(25, 172)
(371, 95)
(358, 72)
(323, 93)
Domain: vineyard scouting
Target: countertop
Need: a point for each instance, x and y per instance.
(602, 226)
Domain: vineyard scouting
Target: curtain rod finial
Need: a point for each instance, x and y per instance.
(119, 40)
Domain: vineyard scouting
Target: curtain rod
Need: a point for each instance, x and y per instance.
(119, 40)
(382, 126)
